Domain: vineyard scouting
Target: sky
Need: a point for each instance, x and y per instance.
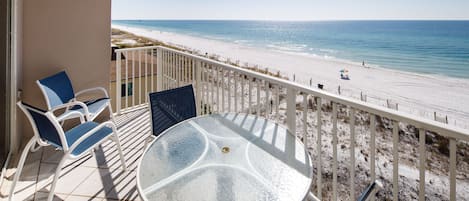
(291, 9)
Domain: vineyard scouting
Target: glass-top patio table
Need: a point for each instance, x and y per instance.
(225, 157)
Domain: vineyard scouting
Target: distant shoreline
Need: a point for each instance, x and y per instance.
(420, 94)
(390, 44)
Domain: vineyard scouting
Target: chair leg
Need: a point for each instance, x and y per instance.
(56, 177)
(31, 142)
(119, 148)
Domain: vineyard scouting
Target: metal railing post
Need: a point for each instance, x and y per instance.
(118, 83)
(291, 110)
(159, 69)
(198, 82)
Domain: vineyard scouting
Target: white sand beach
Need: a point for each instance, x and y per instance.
(415, 93)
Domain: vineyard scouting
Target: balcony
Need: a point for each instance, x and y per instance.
(351, 142)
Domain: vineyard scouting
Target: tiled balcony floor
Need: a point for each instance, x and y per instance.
(98, 177)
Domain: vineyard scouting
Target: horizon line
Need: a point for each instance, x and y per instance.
(304, 20)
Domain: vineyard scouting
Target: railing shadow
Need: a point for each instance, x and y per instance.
(264, 127)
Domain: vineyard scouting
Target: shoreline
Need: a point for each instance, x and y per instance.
(420, 94)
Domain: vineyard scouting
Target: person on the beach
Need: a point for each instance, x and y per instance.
(363, 63)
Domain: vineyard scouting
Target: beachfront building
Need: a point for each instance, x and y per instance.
(351, 142)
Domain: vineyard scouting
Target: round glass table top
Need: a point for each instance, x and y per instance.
(225, 157)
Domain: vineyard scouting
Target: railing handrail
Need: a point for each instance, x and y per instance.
(419, 122)
(136, 48)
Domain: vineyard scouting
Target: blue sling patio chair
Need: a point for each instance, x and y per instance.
(75, 142)
(170, 107)
(57, 90)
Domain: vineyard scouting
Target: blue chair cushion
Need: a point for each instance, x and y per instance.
(58, 89)
(46, 129)
(75, 133)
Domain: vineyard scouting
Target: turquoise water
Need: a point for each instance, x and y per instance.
(429, 47)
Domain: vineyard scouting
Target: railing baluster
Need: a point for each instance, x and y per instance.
(222, 90)
(352, 154)
(182, 70)
(258, 104)
(207, 87)
(250, 95)
(217, 86)
(319, 148)
(277, 101)
(291, 110)
(334, 151)
(243, 83)
(172, 70)
(139, 77)
(146, 76)
(188, 76)
(152, 69)
(212, 85)
(165, 71)
(184, 75)
(175, 69)
(118, 83)
(178, 69)
(452, 169)
(236, 77)
(168, 70)
(373, 149)
(197, 70)
(126, 90)
(267, 99)
(203, 85)
(395, 162)
(422, 164)
(305, 121)
(229, 91)
(133, 78)
(159, 69)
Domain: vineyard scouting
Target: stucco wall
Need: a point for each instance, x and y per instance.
(66, 35)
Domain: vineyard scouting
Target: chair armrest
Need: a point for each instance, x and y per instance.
(91, 132)
(376, 185)
(93, 89)
(70, 104)
(72, 114)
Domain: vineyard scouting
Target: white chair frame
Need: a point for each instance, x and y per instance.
(66, 149)
(89, 116)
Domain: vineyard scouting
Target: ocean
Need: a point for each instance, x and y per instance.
(427, 47)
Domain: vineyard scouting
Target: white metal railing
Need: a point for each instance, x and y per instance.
(220, 87)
